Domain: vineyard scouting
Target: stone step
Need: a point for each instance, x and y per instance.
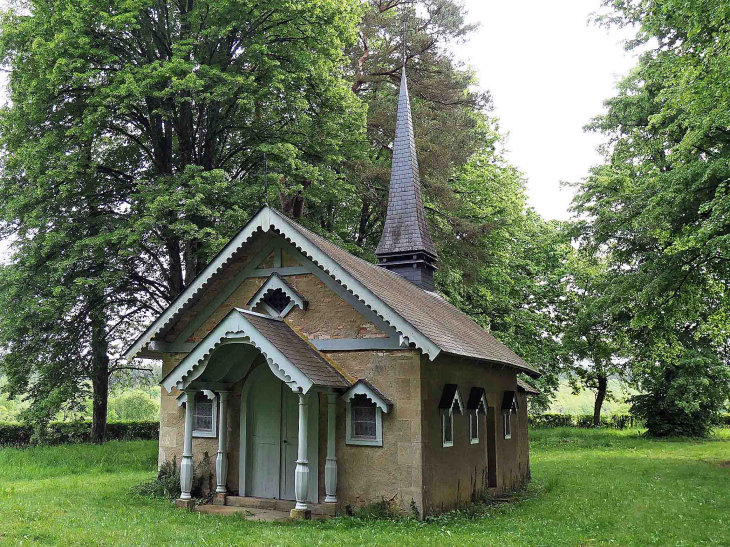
(267, 515)
(278, 505)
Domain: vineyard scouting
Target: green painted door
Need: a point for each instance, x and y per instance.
(289, 444)
(265, 439)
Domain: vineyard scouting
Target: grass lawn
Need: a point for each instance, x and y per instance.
(589, 488)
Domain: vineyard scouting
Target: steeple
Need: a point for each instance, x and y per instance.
(406, 246)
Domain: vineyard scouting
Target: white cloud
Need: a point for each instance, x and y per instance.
(549, 71)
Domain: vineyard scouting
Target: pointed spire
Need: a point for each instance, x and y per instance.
(406, 245)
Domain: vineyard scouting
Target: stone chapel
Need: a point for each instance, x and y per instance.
(316, 382)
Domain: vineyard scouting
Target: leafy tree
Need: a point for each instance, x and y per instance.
(509, 276)
(448, 115)
(129, 141)
(660, 204)
(592, 338)
(134, 405)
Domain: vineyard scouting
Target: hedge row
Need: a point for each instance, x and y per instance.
(615, 421)
(13, 434)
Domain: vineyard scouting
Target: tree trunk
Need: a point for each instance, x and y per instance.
(293, 206)
(99, 378)
(600, 397)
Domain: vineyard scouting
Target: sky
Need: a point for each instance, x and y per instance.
(549, 71)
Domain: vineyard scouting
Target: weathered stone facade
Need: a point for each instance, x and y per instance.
(412, 466)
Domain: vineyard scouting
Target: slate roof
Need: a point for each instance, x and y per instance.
(406, 228)
(446, 326)
(297, 350)
(524, 387)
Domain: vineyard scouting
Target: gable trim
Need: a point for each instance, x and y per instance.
(477, 400)
(450, 398)
(234, 328)
(510, 402)
(257, 223)
(265, 220)
(273, 283)
(363, 387)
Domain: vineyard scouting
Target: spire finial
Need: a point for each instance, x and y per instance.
(406, 246)
(405, 35)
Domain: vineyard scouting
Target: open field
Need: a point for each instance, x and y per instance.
(589, 488)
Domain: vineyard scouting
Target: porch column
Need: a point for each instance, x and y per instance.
(186, 466)
(301, 479)
(221, 461)
(330, 467)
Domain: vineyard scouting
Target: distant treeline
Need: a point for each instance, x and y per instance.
(614, 421)
(14, 434)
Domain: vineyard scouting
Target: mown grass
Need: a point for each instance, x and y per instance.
(589, 488)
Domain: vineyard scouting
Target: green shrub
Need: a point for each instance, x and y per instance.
(615, 421)
(166, 485)
(684, 398)
(74, 432)
(550, 420)
(135, 405)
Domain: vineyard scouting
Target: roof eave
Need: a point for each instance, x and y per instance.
(532, 373)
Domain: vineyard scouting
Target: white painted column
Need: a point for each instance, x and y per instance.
(221, 460)
(186, 466)
(301, 478)
(330, 467)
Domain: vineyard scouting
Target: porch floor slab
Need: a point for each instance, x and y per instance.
(249, 513)
(252, 503)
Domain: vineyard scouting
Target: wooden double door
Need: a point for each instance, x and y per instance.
(273, 439)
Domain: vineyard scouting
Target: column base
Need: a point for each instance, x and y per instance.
(185, 504)
(220, 498)
(300, 514)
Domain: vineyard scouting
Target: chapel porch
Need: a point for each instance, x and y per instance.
(282, 377)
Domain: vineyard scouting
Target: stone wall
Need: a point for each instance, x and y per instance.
(368, 474)
(455, 475)
(412, 465)
(328, 316)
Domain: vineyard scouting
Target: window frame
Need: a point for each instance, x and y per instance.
(444, 414)
(202, 433)
(474, 424)
(507, 419)
(351, 439)
(476, 404)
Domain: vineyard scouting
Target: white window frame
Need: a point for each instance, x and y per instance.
(459, 404)
(183, 400)
(474, 426)
(364, 441)
(507, 415)
(361, 388)
(444, 415)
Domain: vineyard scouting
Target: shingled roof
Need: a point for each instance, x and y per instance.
(426, 319)
(302, 355)
(284, 349)
(446, 326)
(406, 229)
